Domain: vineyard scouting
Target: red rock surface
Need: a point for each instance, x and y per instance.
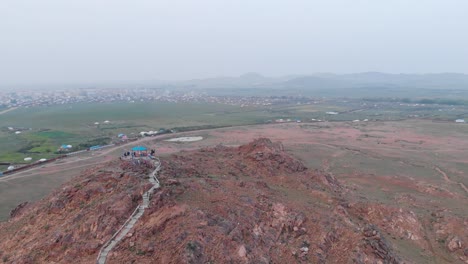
(71, 224)
(249, 204)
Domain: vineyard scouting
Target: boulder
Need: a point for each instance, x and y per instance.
(454, 243)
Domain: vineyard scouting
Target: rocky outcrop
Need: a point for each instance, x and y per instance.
(270, 155)
(71, 224)
(250, 204)
(18, 209)
(454, 243)
(379, 245)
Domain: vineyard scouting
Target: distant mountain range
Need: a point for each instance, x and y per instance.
(318, 84)
(334, 81)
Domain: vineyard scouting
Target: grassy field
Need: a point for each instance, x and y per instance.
(44, 129)
(79, 118)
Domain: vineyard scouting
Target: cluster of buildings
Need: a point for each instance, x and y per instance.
(37, 97)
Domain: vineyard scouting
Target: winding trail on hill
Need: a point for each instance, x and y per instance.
(128, 225)
(447, 179)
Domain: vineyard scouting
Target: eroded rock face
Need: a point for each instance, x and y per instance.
(380, 245)
(18, 209)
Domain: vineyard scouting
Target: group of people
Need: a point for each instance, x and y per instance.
(134, 154)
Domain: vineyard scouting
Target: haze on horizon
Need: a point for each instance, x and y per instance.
(54, 41)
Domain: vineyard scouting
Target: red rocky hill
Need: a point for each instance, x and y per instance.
(249, 204)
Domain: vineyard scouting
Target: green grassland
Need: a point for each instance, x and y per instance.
(44, 129)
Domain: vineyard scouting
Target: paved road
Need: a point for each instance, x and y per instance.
(128, 225)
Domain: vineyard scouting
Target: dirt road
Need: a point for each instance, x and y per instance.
(7, 110)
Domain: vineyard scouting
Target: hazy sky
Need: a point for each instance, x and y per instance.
(102, 40)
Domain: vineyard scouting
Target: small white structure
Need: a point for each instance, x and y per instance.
(96, 123)
(11, 168)
(357, 120)
(184, 139)
(18, 132)
(42, 160)
(365, 120)
(106, 122)
(460, 121)
(28, 159)
(331, 113)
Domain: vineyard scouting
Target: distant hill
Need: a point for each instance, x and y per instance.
(366, 79)
(317, 84)
(328, 84)
(243, 81)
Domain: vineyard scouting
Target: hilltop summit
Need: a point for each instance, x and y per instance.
(254, 203)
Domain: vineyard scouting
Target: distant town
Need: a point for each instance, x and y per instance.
(454, 110)
(30, 98)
